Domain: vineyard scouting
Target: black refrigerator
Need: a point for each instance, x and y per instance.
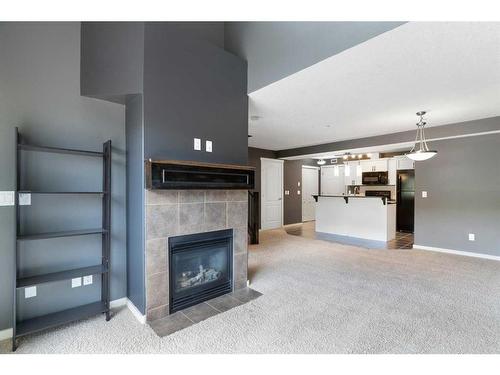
(405, 209)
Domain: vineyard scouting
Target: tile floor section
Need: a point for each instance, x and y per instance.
(307, 230)
(195, 314)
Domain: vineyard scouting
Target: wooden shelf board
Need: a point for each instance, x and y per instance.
(69, 233)
(62, 192)
(58, 150)
(58, 276)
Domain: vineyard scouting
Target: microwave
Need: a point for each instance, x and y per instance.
(375, 178)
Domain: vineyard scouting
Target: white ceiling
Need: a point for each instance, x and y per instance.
(452, 70)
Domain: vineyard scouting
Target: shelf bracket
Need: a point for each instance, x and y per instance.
(384, 200)
(315, 197)
(346, 200)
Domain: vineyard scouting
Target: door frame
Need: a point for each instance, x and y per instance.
(302, 187)
(263, 161)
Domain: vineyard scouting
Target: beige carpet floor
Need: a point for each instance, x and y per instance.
(322, 297)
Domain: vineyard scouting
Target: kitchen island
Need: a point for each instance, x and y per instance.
(369, 218)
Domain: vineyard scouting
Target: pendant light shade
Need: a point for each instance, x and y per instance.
(420, 150)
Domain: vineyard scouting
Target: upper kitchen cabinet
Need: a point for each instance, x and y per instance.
(352, 173)
(332, 180)
(374, 165)
(392, 169)
(404, 163)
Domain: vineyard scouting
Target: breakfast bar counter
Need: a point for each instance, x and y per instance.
(365, 217)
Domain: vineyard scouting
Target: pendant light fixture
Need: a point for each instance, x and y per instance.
(420, 150)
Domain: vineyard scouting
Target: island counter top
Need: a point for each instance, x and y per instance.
(347, 197)
(356, 216)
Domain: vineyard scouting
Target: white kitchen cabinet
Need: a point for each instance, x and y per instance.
(352, 173)
(366, 166)
(374, 165)
(392, 169)
(332, 180)
(404, 162)
(381, 165)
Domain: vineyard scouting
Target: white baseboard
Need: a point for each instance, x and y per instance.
(118, 302)
(135, 311)
(6, 334)
(130, 305)
(457, 252)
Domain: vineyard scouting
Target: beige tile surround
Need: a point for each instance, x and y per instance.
(178, 212)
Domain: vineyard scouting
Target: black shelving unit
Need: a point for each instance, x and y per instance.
(22, 328)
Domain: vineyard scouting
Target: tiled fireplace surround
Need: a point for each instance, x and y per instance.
(177, 212)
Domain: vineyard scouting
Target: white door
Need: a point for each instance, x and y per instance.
(310, 179)
(272, 193)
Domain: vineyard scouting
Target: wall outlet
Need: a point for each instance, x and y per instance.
(197, 144)
(30, 292)
(75, 283)
(87, 280)
(287, 192)
(424, 194)
(7, 198)
(472, 237)
(208, 146)
(298, 192)
(25, 199)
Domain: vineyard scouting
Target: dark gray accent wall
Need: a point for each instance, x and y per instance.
(292, 174)
(206, 32)
(463, 186)
(274, 50)
(134, 125)
(192, 89)
(188, 87)
(112, 58)
(40, 93)
(449, 130)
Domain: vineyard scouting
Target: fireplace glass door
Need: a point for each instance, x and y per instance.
(200, 267)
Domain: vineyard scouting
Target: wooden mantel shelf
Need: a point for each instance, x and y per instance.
(181, 174)
(200, 164)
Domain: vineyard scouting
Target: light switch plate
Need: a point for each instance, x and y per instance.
(208, 146)
(24, 199)
(472, 237)
(298, 184)
(75, 283)
(87, 280)
(7, 198)
(424, 194)
(30, 292)
(287, 192)
(298, 192)
(197, 144)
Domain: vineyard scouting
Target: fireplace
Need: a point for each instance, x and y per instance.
(200, 267)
